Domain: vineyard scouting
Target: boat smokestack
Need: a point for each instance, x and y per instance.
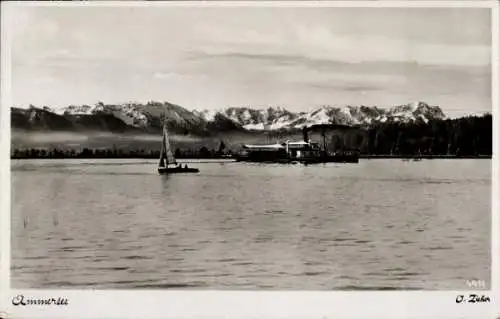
(305, 135)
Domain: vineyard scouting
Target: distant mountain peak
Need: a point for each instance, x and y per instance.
(148, 117)
(272, 118)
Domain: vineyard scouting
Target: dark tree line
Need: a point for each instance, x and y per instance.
(203, 152)
(463, 137)
(467, 136)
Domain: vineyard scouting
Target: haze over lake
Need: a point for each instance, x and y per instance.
(379, 224)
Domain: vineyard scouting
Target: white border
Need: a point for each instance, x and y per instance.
(495, 191)
(255, 304)
(271, 3)
(5, 95)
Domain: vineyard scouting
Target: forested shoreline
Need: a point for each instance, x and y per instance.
(467, 137)
(202, 153)
(463, 137)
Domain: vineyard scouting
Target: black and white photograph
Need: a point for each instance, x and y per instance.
(247, 147)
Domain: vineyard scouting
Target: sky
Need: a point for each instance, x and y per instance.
(216, 57)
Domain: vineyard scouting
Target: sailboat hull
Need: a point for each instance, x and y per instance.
(176, 170)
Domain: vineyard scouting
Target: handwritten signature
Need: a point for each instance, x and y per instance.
(20, 300)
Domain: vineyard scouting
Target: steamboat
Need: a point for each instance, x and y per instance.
(305, 151)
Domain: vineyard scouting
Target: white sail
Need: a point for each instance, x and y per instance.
(166, 156)
(168, 150)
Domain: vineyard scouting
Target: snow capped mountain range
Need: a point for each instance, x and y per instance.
(279, 118)
(128, 113)
(148, 117)
(253, 119)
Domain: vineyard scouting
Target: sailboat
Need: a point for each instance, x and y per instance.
(167, 163)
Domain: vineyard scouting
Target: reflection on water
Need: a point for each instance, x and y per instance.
(379, 224)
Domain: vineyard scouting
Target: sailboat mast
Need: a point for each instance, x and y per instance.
(166, 143)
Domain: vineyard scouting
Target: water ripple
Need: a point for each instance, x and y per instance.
(438, 248)
(375, 288)
(171, 285)
(110, 268)
(134, 257)
(386, 225)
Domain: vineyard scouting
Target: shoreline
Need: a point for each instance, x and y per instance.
(233, 159)
(425, 156)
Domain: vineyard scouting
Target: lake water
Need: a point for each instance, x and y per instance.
(379, 224)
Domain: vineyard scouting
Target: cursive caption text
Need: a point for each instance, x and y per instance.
(21, 300)
(472, 298)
